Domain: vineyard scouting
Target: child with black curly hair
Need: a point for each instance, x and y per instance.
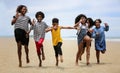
(21, 25)
(39, 28)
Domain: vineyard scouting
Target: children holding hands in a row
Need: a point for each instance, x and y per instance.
(39, 27)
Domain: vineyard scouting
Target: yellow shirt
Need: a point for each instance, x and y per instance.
(56, 36)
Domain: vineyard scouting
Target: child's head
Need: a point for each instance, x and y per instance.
(21, 9)
(39, 15)
(81, 17)
(90, 22)
(98, 22)
(55, 21)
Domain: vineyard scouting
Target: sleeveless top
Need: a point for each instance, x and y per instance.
(56, 36)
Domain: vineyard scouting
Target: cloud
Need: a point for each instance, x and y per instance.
(65, 10)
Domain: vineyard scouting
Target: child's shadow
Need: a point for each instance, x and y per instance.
(93, 64)
(45, 67)
(29, 67)
(53, 67)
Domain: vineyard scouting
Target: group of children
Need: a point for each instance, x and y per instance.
(82, 25)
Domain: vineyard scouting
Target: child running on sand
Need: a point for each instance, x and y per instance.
(99, 35)
(56, 38)
(89, 33)
(21, 24)
(82, 27)
(39, 35)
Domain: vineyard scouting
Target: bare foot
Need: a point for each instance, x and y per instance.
(98, 62)
(40, 64)
(27, 60)
(61, 59)
(57, 63)
(20, 65)
(43, 57)
(80, 58)
(88, 63)
(76, 63)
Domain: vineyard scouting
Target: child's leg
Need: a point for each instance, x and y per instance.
(60, 51)
(98, 56)
(87, 55)
(80, 46)
(27, 52)
(19, 46)
(88, 41)
(57, 61)
(40, 42)
(43, 55)
(82, 50)
(56, 55)
(38, 53)
(40, 61)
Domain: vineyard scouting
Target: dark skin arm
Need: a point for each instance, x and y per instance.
(62, 27)
(48, 29)
(15, 18)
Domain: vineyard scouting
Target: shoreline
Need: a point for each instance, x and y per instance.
(110, 39)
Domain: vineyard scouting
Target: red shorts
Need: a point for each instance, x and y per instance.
(39, 44)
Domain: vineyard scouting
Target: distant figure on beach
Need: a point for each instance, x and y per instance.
(21, 25)
(99, 35)
(56, 38)
(39, 34)
(82, 29)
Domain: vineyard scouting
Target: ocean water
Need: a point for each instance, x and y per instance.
(70, 38)
(75, 38)
(107, 38)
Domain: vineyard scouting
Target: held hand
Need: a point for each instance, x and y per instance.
(90, 30)
(27, 34)
(75, 28)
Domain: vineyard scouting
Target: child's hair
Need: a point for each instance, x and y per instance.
(91, 22)
(20, 7)
(77, 19)
(40, 13)
(98, 20)
(55, 20)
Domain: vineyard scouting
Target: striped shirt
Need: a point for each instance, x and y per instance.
(22, 23)
(39, 30)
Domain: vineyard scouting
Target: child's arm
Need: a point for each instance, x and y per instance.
(67, 27)
(31, 28)
(15, 18)
(106, 27)
(77, 24)
(33, 22)
(48, 29)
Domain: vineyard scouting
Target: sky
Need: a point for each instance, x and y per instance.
(66, 10)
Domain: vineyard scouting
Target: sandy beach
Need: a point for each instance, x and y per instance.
(110, 62)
